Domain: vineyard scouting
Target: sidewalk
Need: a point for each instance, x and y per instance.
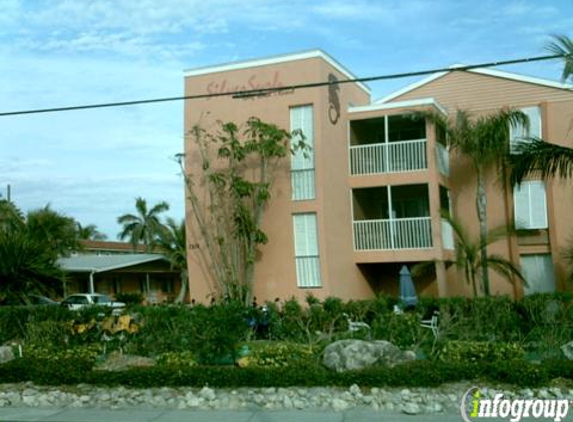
(253, 415)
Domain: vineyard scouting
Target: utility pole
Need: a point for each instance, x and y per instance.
(8, 192)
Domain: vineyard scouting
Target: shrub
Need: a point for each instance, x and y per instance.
(129, 298)
(178, 359)
(402, 330)
(479, 351)
(280, 354)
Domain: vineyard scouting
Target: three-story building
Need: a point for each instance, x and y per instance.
(368, 198)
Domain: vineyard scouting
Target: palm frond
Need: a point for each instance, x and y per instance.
(541, 159)
(563, 45)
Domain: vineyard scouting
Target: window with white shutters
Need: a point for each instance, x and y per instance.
(530, 205)
(307, 257)
(523, 133)
(539, 273)
(302, 162)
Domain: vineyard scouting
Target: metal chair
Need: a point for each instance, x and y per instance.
(432, 323)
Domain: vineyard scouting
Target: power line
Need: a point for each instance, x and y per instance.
(267, 91)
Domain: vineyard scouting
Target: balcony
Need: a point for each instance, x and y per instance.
(391, 157)
(391, 218)
(392, 234)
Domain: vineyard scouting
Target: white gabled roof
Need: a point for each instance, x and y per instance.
(102, 263)
(283, 58)
(484, 71)
(397, 104)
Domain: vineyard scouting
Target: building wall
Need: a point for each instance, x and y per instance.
(275, 275)
(483, 94)
(345, 273)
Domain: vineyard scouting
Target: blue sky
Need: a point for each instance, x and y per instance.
(92, 164)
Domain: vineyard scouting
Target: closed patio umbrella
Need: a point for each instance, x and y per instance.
(408, 294)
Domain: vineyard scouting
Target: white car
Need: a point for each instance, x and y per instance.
(81, 300)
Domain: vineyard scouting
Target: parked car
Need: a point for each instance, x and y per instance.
(81, 300)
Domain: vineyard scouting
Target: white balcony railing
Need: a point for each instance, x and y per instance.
(402, 233)
(390, 157)
(443, 159)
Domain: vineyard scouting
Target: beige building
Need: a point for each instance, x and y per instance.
(345, 218)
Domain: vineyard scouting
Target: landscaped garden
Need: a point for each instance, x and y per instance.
(492, 339)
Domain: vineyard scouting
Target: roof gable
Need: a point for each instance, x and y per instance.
(508, 76)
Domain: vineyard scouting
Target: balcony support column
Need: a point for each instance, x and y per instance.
(441, 279)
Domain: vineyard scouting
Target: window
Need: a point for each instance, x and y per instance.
(521, 133)
(306, 250)
(302, 162)
(530, 205)
(538, 272)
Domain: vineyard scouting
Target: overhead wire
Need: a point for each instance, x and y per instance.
(270, 90)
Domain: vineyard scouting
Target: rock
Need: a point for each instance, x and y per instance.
(411, 408)
(344, 355)
(207, 393)
(567, 350)
(435, 407)
(338, 405)
(6, 354)
(355, 390)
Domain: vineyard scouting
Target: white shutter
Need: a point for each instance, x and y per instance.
(539, 273)
(519, 133)
(538, 205)
(521, 205)
(302, 162)
(534, 115)
(530, 205)
(307, 258)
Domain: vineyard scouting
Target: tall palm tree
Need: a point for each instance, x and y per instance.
(485, 142)
(173, 242)
(144, 226)
(89, 232)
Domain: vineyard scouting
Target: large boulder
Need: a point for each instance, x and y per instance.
(344, 355)
(6, 354)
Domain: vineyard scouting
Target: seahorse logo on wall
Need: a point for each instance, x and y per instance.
(333, 99)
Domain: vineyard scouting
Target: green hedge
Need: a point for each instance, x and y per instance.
(412, 374)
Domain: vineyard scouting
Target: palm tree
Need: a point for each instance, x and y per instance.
(27, 266)
(469, 255)
(53, 229)
(90, 232)
(173, 242)
(485, 142)
(144, 226)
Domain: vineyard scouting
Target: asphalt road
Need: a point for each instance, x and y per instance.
(253, 415)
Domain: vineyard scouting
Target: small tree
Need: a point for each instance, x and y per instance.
(228, 191)
(172, 241)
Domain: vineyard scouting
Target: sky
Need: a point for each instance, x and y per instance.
(92, 164)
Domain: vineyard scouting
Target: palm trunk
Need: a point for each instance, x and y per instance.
(183, 290)
(481, 205)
